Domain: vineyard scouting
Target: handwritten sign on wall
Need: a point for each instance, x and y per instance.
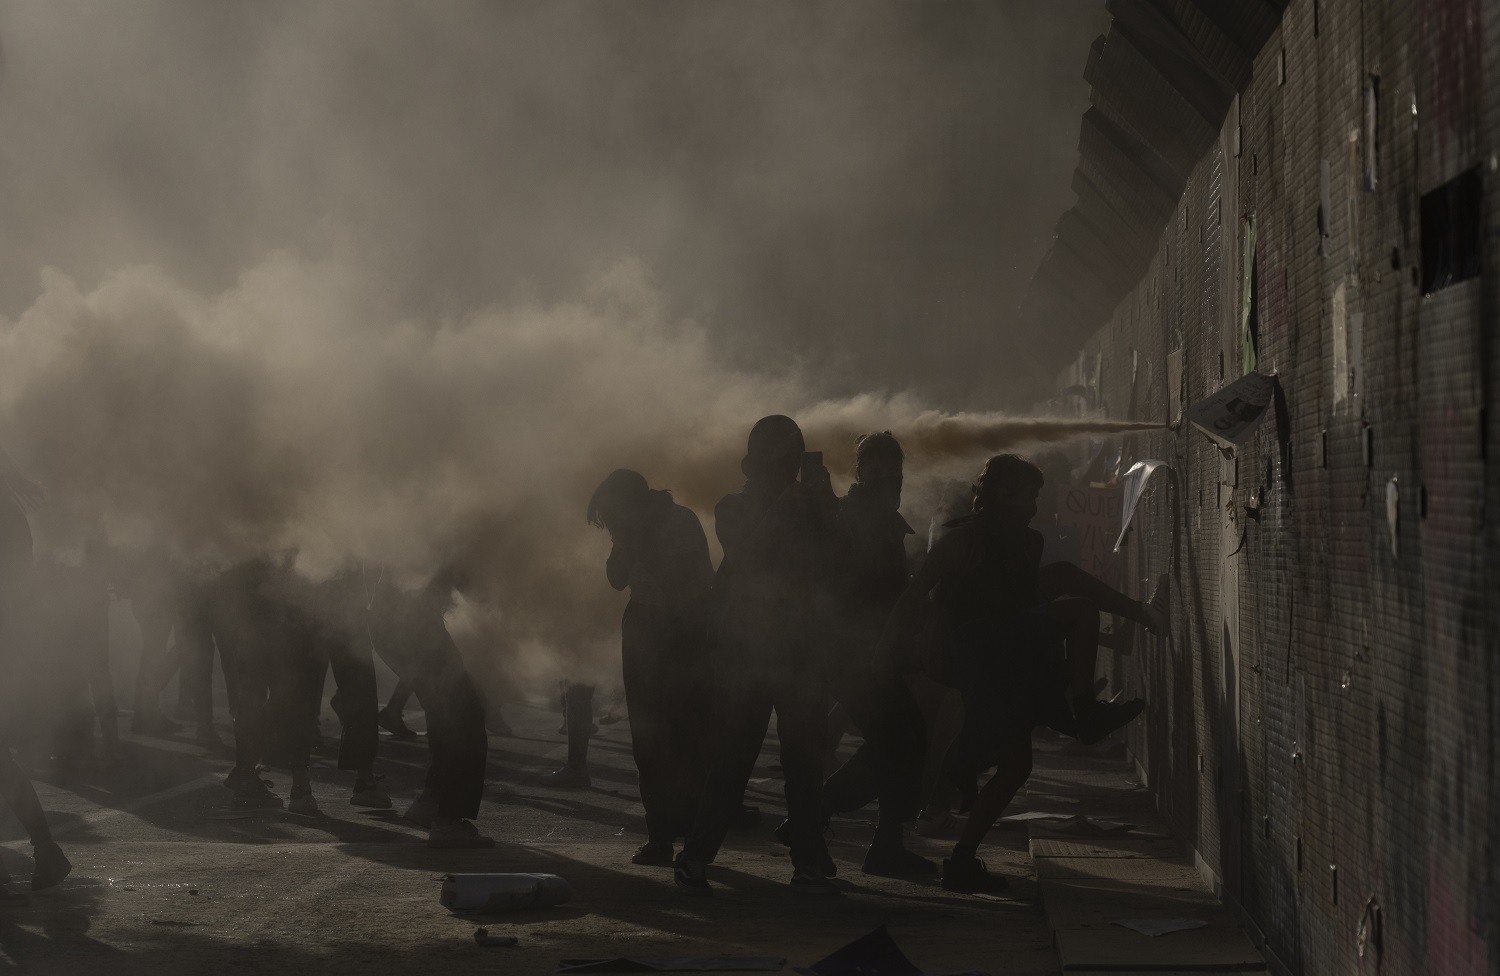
(1095, 514)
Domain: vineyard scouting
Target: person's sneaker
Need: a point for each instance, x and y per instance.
(567, 778)
(1101, 718)
(250, 792)
(811, 881)
(422, 812)
(895, 861)
(657, 854)
(691, 877)
(303, 802)
(748, 818)
(51, 866)
(826, 863)
(393, 723)
(454, 834)
(1159, 607)
(969, 876)
(367, 793)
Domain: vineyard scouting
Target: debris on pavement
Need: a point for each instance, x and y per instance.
(875, 954)
(1160, 926)
(674, 964)
(1087, 827)
(502, 892)
(483, 937)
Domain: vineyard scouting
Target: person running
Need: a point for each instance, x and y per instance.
(1021, 641)
(888, 765)
(779, 536)
(661, 555)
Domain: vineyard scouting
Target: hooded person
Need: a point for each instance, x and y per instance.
(779, 536)
(660, 553)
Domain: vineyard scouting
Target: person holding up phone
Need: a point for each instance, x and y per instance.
(779, 534)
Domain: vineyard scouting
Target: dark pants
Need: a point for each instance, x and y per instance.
(667, 692)
(457, 743)
(298, 663)
(84, 635)
(249, 675)
(742, 708)
(20, 796)
(156, 617)
(888, 765)
(355, 703)
(195, 649)
(275, 671)
(399, 696)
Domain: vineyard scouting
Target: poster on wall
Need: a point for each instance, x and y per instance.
(1232, 414)
(1094, 515)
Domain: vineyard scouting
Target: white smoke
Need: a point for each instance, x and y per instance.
(286, 414)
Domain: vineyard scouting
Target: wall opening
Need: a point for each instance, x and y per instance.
(1452, 227)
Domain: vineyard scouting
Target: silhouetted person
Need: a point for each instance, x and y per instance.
(661, 555)
(346, 651)
(779, 538)
(888, 764)
(414, 642)
(1021, 642)
(578, 725)
(319, 627)
(153, 590)
(16, 635)
(74, 603)
(247, 626)
(195, 646)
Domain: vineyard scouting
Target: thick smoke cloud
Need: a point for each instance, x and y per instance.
(400, 282)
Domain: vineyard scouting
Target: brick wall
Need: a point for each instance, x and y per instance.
(1322, 723)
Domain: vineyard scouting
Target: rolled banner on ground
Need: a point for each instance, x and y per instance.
(502, 892)
(1133, 485)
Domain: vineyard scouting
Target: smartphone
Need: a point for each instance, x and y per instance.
(812, 461)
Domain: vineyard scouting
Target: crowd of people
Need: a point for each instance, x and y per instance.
(814, 603)
(813, 615)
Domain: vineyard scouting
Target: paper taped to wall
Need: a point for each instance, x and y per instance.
(1232, 414)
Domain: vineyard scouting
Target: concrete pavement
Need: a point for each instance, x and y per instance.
(168, 879)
